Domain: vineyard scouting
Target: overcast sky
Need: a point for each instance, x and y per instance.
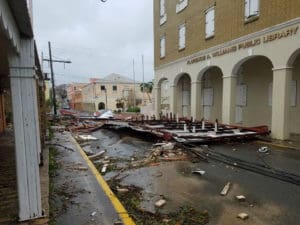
(99, 38)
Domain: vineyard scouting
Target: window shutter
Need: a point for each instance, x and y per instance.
(162, 7)
(210, 22)
(247, 8)
(182, 31)
(254, 7)
(163, 47)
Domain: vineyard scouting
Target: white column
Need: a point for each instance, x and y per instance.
(228, 105)
(157, 101)
(282, 78)
(173, 99)
(196, 100)
(26, 129)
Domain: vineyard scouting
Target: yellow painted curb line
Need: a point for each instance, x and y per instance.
(127, 220)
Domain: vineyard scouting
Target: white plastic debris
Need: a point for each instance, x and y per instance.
(243, 216)
(240, 198)
(87, 137)
(106, 115)
(93, 214)
(160, 203)
(104, 168)
(263, 149)
(201, 172)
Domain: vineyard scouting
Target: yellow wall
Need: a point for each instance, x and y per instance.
(229, 23)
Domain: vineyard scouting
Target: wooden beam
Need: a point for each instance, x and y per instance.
(26, 128)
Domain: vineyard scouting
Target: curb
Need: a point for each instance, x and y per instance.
(120, 209)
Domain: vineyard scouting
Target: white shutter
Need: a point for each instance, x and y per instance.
(181, 34)
(163, 47)
(241, 95)
(254, 7)
(208, 95)
(247, 8)
(238, 114)
(206, 112)
(294, 93)
(210, 22)
(186, 98)
(162, 8)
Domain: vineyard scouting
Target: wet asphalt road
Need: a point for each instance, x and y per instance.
(268, 201)
(80, 194)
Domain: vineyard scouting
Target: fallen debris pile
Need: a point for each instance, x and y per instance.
(162, 152)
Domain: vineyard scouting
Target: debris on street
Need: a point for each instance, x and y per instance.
(240, 198)
(201, 172)
(243, 216)
(160, 203)
(225, 189)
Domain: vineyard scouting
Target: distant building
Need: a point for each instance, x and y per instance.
(237, 61)
(111, 92)
(74, 94)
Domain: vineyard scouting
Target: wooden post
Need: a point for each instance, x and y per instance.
(26, 129)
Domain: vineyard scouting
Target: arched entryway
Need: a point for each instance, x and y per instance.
(212, 89)
(254, 91)
(294, 118)
(183, 95)
(101, 105)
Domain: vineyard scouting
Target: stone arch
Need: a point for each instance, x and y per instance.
(211, 79)
(254, 80)
(293, 57)
(237, 67)
(205, 69)
(294, 112)
(182, 95)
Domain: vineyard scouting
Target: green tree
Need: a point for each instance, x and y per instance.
(147, 88)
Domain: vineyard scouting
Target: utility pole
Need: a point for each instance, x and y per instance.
(143, 79)
(133, 85)
(51, 61)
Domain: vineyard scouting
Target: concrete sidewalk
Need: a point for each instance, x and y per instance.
(78, 198)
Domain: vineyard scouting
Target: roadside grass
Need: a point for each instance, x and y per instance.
(53, 168)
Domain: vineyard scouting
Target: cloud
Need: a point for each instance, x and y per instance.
(99, 38)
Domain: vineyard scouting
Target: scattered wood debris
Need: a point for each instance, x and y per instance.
(225, 189)
(240, 198)
(243, 216)
(160, 203)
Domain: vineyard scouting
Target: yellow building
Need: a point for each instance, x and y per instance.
(235, 60)
(107, 92)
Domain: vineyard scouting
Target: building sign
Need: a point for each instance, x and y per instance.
(248, 44)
